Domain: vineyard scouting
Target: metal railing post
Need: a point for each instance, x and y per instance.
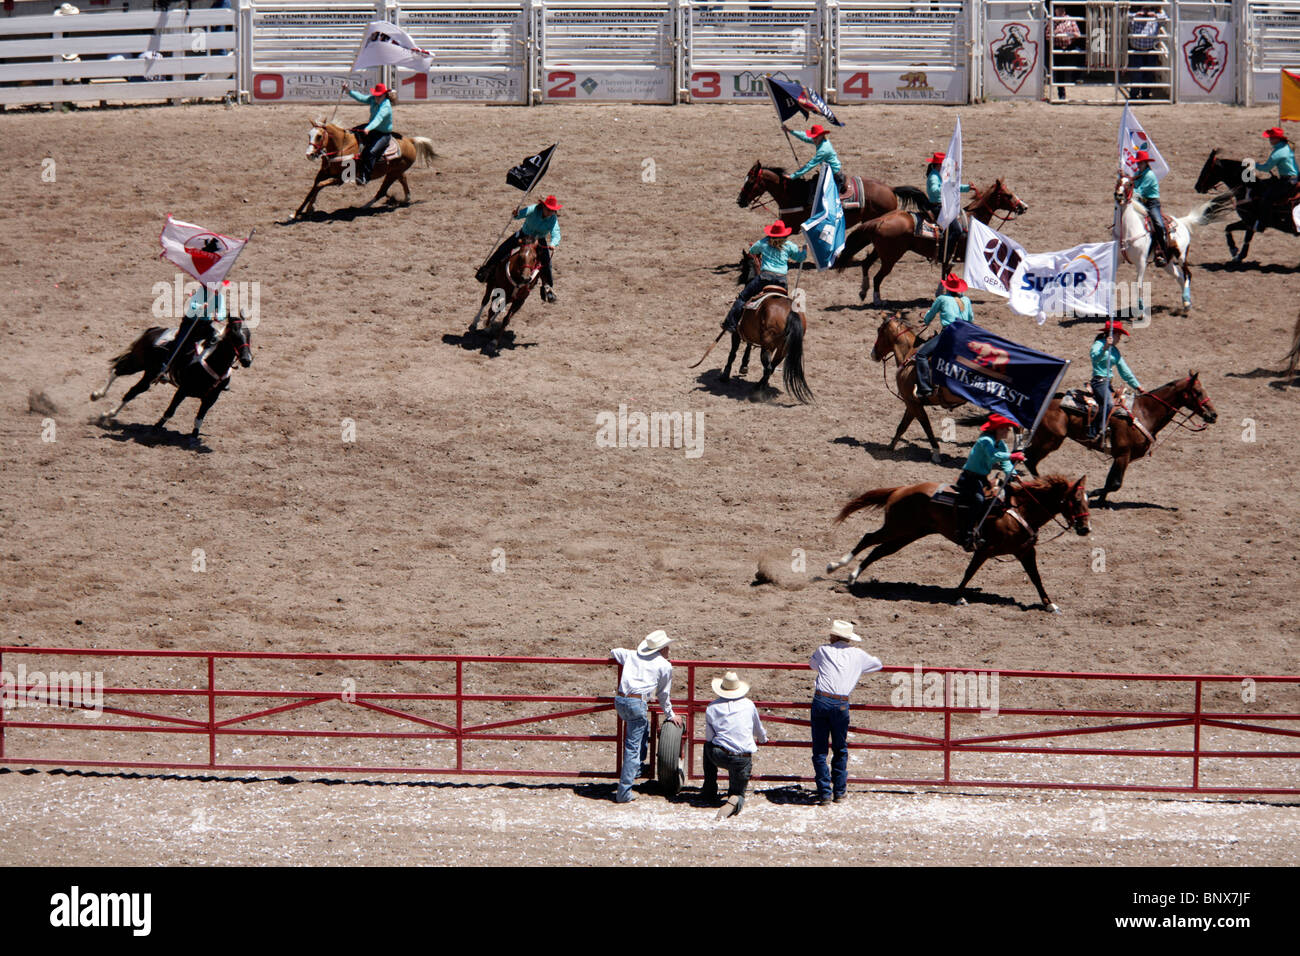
(460, 716)
(690, 722)
(212, 710)
(947, 727)
(1196, 741)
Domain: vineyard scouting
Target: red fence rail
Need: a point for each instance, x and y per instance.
(1015, 732)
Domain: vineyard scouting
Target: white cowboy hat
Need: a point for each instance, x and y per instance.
(654, 642)
(729, 686)
(67, 10)
(843, 631)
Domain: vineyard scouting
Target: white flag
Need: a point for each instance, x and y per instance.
(1078, 281)
(204, 254)
(951, 173)
(1133, 137)
(387, 45)
(991, 259)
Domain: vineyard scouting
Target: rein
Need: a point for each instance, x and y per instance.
(1187, 413)
(1057, 516)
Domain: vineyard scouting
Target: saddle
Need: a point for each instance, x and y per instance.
(1082, 401)
(851, 198)
(763, 295)
(945, 496)
(925, 229)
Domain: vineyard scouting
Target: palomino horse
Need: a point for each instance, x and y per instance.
(895, 338)
(1239, 176)
(203, 377)
(911, 513)
(1130, 439)
(335, 147)
(794, 197)
(894, 233)
(509, 287)
(1133, 230)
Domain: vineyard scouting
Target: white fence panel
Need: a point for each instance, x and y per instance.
(1273, 43)
(480, 51)
(1205, 54)
(607, 51)
(899, 52)
(112, 57)
(730, 46)
(302, 50)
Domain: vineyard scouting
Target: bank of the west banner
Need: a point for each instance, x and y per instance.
(996, 373)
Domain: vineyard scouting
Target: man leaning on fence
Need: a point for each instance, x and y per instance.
(839, 665)
(642, 672)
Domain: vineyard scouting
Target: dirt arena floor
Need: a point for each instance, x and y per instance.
(388, 543)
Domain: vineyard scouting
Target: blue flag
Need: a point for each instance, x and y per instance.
(996, 373)
(790, 97)
(824, 229)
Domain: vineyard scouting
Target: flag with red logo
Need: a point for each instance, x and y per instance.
(204, 254)
(1132, 138)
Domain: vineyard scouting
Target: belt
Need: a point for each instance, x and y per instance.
(733, 753)
(645, 698)
(822, 693)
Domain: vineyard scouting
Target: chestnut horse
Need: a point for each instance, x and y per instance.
(510, 285)
(911, 513)
(794, 197)
(335, 147)
(896, 339)
(1130, 439)
(894, 233)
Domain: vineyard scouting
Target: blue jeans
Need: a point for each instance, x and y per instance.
(924, 378)
(830, 726)
(738, 767)
(1101, 392)
(752, 289)
(636, 720)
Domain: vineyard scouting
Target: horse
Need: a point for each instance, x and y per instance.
(1238, 175)
(336, 147)
(912, 513)
(895, 338)
(510, 285)
(1133, 231)
(894, 233)
(202, 376)
(1130, 439)
(1292, 358)
(794, 197)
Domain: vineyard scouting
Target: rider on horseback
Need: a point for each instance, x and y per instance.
(990, 452)
(825, 154)
(373, 138)
(541, 221)
(1278, 190)
(1147, 189)
(773, 255)
(951, 305)
(1105, 359)
(934, 185)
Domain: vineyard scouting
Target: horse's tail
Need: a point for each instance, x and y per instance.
(855, 242)
(1217, 208)
(424, 150)
(875, 498)
(909, 197)
(795, 383)
(132, 360)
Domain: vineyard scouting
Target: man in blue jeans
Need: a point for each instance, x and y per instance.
(839, 665)
(643, 672)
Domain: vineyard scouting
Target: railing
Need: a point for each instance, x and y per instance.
(472, 714)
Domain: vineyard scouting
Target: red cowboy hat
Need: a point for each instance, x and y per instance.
(1115, 326)
(999, 421)
(1141, 156)
(778, 230)
(937, 158)
(817, 130)
(378, 90)
(954, 283)
(1274, 133)
(553, 204)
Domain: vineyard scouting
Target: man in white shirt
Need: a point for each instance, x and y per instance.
(732, 732)
(838, 665)
(643, 672)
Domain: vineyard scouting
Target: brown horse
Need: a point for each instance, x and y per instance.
(896, 339)
(778, 331)
(509, 287)
(335, 147)
(911, 513)
(1130, 439)
(894, 233)
(794, 197)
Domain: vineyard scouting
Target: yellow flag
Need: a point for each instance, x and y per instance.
(1290, 95)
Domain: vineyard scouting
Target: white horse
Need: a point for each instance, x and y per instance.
(1134, 234)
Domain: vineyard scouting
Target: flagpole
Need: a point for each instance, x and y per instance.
(531, 187)
(185, 337)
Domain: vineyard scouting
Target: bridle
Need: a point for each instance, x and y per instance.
(1072, 519)
(1201, 405)
(753, 183)
(1003, 216)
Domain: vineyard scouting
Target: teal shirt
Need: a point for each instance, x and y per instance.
(196, 307)
(381, 111)
(950, 309)
(1281, 160)
(934, 186)
(1147, 186)
(987, 455)
(775, 259)
(825, 154)
(1105, 360)
(540, 222)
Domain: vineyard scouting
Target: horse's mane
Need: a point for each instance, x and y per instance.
(1048, 483)
(780, 171)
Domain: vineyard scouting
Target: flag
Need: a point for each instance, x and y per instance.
(530, 172)
(1290, 109)
(206, 255)
(1133, 137)
(1078, 281)
(951, 173)
(996, 373)
(790, 97)
(824, 229)
(991, 259)
(388, 45)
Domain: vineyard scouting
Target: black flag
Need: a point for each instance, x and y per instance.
(530, 172)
